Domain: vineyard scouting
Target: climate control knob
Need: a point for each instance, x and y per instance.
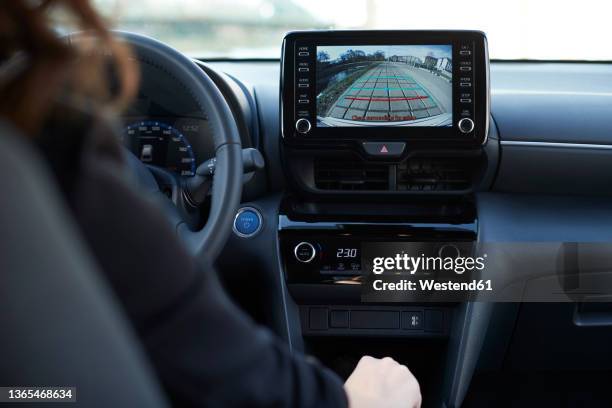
(303, 126)
(304, 252)
(466, 125)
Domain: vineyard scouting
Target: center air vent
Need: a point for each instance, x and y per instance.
(351, 176)
(435, 174)
(417, 174)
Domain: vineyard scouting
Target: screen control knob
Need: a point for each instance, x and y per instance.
(449, 251)
(466, 125)
(303, 126)
(304, 252)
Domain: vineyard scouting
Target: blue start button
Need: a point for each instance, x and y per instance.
(247, 222)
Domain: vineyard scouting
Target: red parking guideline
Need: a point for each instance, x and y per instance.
(408, 98)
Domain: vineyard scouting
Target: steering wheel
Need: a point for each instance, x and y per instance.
(208, 241)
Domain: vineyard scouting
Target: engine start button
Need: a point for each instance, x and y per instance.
(248, 222)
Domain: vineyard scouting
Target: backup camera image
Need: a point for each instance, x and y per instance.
(384, 85)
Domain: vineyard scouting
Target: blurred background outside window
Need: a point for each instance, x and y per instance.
(518, 29)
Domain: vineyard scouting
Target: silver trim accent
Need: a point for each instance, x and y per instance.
(561, 145)
(298, 121)
(284, 223)
(314, 252)
(488, 85)
(240, 211)
(465, 120)
(281, 95)
(283, 286)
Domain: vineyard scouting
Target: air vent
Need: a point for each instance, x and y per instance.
(435, 174)
(351, 176)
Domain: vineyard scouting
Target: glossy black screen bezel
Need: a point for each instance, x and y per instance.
(425, 135)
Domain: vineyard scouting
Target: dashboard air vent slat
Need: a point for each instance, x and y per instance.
(351, 176)
(435, 174)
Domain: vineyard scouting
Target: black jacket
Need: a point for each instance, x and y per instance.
(206, 351)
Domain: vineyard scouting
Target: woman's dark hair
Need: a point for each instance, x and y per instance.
(38, 67)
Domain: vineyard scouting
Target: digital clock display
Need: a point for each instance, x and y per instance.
(347, 253)
(341, 259)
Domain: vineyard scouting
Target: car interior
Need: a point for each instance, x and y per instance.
(281, 169)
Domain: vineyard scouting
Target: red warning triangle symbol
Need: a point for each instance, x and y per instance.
(384, 149)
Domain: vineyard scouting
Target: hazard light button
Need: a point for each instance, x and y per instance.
(384, 149)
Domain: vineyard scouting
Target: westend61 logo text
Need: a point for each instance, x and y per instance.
(404, 263)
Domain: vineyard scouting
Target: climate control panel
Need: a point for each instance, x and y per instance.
(330, 252)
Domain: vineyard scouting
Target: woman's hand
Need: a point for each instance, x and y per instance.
(382, 383)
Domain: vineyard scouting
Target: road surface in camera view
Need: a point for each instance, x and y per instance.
(392, 94)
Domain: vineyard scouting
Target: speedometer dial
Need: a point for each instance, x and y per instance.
(162, 145)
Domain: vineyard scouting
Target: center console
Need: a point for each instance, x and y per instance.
(385, 138)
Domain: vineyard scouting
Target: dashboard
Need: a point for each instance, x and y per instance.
(320, 198)
(524, 194)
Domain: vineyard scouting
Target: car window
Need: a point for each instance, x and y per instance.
(518, 29)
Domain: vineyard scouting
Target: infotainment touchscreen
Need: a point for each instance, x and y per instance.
(353, 88)
(384, 85)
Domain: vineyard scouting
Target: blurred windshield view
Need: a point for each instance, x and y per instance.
(519, 29)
